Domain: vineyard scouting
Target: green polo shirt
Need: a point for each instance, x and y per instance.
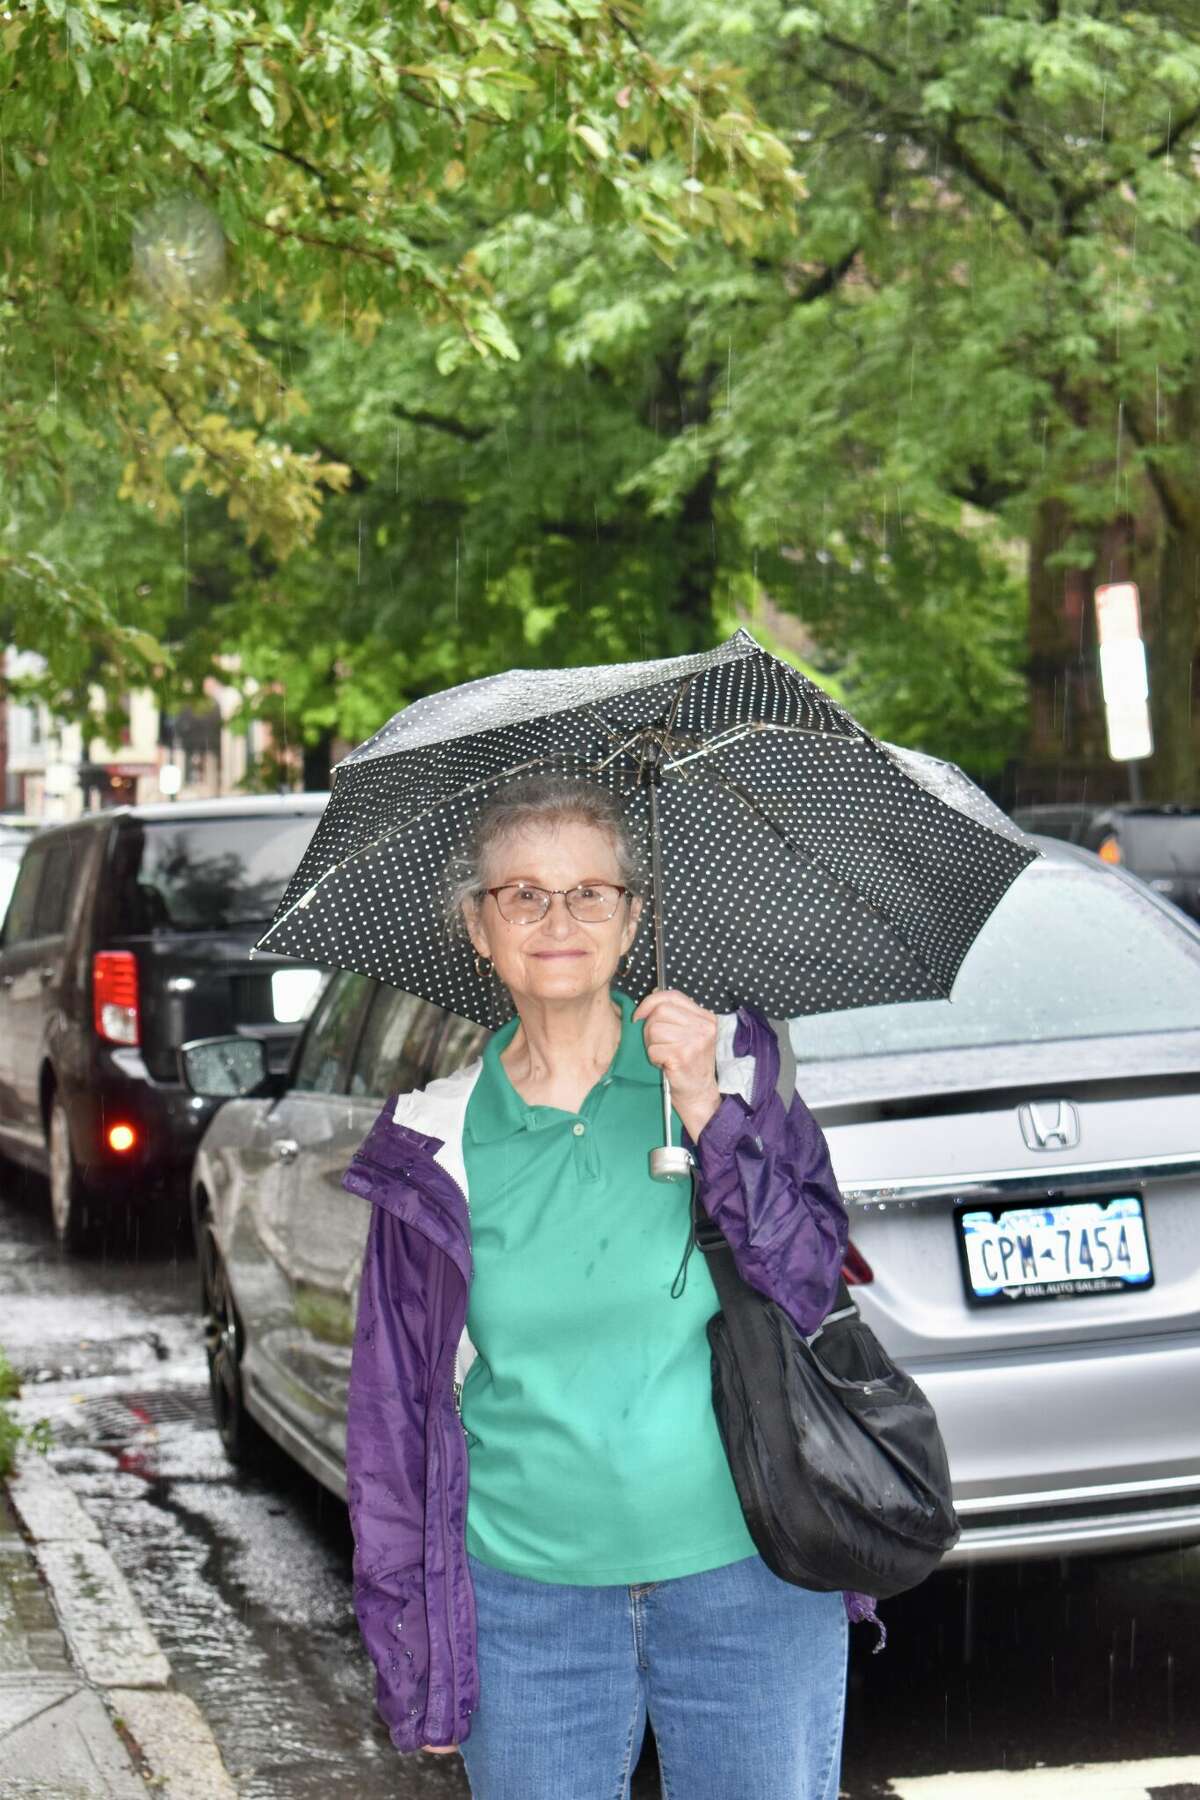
(594, 1452)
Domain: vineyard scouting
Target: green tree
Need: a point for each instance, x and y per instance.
(1005, 202)
(183, 188)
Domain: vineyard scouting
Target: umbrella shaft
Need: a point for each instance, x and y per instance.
(660, 957)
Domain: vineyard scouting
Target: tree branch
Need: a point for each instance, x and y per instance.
(470, 434)
(1098, 189)
(824, 282)
(984, 490)
(1017, 136)
(956, 152)
(846, 48)
(580, 531)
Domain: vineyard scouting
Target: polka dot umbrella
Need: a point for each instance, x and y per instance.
(799, 865)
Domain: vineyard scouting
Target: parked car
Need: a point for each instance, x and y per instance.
(1159, 844)
(128, 932)
(1021, 1166)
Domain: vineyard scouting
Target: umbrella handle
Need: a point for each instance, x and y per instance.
(668, 1162)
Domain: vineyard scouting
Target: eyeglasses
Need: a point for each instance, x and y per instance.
(591, 902)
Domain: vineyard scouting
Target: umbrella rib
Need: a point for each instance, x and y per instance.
(736, 732)
(747, 799)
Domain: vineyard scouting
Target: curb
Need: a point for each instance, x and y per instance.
(118, 1658)
(1100, 1781)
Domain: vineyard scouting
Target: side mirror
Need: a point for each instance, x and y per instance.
(225, 1068)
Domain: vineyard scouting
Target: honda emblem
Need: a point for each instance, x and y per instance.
(1049, 1124)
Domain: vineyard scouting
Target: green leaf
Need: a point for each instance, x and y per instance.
(451, 353)
(595, 140)
(260, 100)
(496, 336)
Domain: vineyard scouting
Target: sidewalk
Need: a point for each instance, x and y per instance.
(87, 1710)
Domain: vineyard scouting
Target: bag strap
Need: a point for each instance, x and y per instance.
(731, 1289)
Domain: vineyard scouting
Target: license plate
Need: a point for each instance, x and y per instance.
(1060, 1251)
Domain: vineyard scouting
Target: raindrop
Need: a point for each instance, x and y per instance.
(1170, 1694)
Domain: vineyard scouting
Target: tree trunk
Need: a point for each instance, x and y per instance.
(679, 403)
(692, 620)
(1067, 757)
(318, 764)
(1172, 775)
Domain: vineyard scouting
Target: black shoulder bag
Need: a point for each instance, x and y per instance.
(835, 1452)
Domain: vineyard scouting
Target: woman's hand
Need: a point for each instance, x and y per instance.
(440, 1749)
(681, 1039)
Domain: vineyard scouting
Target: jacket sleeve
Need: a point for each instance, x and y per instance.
(766, 1180)
(385, 1473)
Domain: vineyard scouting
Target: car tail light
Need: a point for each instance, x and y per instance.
(1110, 851)
(856, 1270)
(115, 996)
(121, 1138)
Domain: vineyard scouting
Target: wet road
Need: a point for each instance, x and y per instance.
(246, 1580)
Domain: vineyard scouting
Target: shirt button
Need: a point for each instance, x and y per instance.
(579, 1130)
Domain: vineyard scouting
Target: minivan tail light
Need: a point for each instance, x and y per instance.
(856, 1270)
(1110, 851)
(115, 996)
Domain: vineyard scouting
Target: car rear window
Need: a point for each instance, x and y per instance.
(1161, 845)
(208, 874)
(1070, 952)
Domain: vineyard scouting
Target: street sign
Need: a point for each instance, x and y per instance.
(1123, 674)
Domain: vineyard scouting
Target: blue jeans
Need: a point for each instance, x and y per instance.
(742, 1675)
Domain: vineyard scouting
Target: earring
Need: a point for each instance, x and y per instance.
(483, 966)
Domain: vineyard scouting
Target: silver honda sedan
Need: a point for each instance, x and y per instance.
(1021, 1166)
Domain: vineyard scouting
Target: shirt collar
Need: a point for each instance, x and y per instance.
(498, 1111)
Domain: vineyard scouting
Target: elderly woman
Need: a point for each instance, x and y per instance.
(595, 1569)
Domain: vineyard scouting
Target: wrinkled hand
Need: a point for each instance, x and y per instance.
(681, 1039)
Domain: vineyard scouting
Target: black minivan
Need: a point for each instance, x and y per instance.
(128, 933)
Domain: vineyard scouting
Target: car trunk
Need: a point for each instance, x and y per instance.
(196, 986)
(916, 1140)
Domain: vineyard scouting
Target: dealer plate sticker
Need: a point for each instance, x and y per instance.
(1056, 1252)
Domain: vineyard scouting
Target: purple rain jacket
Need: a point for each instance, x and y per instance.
(766, 1181)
